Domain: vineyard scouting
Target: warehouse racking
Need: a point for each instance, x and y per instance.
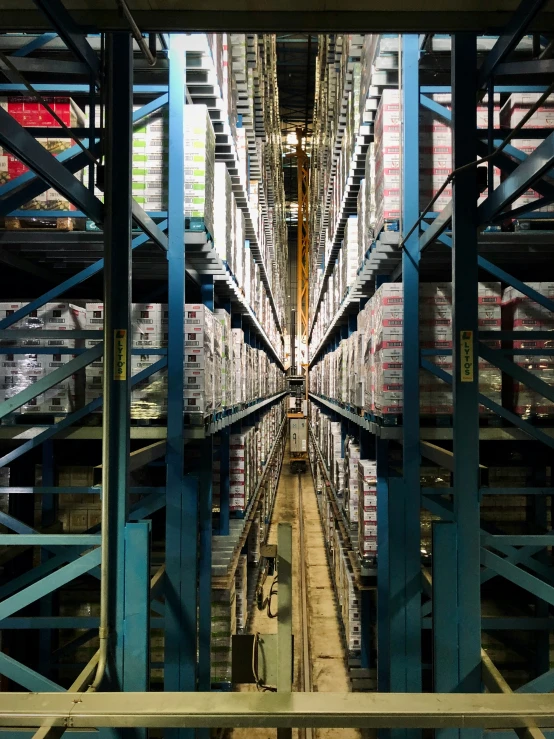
(438, 474)
(453, 610)
(159, 255)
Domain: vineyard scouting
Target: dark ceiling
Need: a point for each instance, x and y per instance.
(296, 56)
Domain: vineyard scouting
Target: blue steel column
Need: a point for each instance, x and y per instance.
(465, 370)
(48, 516)
(205, 524)
(445, 628)
(117, 298)
(181, 492)
(410, 677)
(224, 486)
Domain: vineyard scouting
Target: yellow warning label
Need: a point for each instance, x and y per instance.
(120, 354)
(466, 356)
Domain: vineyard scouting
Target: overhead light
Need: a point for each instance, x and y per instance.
(291, 139)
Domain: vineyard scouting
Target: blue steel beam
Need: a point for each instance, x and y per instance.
(501, 275)
(519, 577)
(26, 677)
(70, 33)
(72, 161)
(531, 169)
(509, 39)
(136, 665)
(28, 150)
(465, 373)
(504, 160)
(37, 43)
(516, 371)
(50, 540)
(117, 323)
(49, 583)
(445, 593)
(181, 616)
(542, 684)
(405, 635)
(528, 428)
(50, 380)
(440, 224)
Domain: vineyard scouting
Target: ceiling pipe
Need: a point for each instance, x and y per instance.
(137, 35)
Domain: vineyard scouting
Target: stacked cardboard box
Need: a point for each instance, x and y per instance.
(387, 355)
(29, 113)
(224, 625)
(199, 357)
(366, 370)
(200, 158)
(19, 371)
(367, 510)
(351, 487)
(241, 592)
(387, 158)
(523, 314)
(150, 160)
(436, 150)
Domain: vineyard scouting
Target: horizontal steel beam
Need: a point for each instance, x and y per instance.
(62, 22)
(276, 710)
(447, 16)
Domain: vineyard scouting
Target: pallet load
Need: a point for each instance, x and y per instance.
(523, 314)
(223, 626)
(19, 371)
(200, 158)
(367, 511)
(29, 113)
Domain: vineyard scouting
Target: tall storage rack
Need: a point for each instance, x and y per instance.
(175, 252)
(429, 617)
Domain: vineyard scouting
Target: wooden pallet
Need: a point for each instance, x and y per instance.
(36, 223)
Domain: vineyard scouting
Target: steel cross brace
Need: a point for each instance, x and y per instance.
(70, 33)
(528, 428)
(28, 150)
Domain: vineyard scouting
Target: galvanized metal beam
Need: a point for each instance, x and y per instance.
(296, 710)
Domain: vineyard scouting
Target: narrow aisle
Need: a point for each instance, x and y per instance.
(327, 656)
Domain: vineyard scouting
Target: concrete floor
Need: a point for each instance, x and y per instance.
(329, 672)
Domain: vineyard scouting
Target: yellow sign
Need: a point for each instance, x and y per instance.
(120, 354)
(466, 356)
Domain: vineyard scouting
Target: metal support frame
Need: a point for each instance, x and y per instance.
(182, 500)
(403, 506)
(465, 373)
(117, 320)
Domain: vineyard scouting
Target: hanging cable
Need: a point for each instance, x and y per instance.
(137, 35)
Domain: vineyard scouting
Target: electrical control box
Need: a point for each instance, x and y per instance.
(298, 435)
